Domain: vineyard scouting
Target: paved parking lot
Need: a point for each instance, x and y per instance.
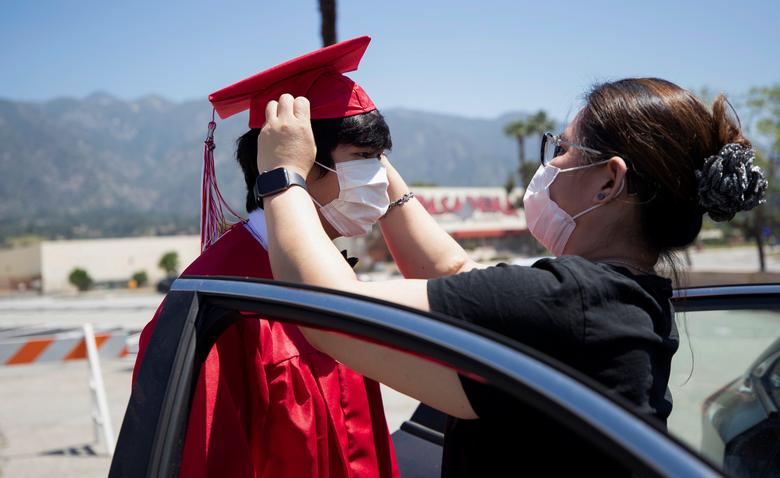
(45, 424)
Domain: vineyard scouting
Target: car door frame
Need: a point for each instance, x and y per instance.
(198, 309)
(727, 297)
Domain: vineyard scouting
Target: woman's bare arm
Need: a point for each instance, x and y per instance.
(420, 247)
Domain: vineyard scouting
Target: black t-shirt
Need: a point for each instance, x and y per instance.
(609, 324)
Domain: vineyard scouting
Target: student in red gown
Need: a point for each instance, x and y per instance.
(267, 404)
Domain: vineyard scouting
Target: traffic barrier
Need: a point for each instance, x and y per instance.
(28, 346)
(62, 346)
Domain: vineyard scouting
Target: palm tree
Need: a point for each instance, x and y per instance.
(518, 130)
(328, 14)
(535, 124)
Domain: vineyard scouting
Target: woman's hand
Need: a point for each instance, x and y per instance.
(286, 139)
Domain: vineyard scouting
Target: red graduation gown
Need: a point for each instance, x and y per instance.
(267, 404)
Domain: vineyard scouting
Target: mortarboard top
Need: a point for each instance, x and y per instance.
(316, 75)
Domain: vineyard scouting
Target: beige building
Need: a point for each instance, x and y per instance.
(105, 260)
(20, 267)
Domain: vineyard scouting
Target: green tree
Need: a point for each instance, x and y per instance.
(509, 184)
(169, 262)
(328, 27)
(81, 279)
(140, 278)
(521, 129)
(764, 104)
(764, 107)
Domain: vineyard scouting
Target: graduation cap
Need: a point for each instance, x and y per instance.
(319, 76)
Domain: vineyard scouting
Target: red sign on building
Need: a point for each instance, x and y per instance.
(472, 212)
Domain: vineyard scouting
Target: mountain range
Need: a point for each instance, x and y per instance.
(102, 166)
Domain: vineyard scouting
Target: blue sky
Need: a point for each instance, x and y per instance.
(474, 58)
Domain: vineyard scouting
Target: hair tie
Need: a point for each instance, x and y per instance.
(728, 182)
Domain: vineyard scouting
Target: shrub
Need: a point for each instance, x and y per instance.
(140, 278)
(81, 279)
(169, 262)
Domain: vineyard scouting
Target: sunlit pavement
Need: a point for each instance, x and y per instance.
(735, 259)
(46, 427)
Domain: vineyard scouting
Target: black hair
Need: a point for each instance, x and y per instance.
(367, 130)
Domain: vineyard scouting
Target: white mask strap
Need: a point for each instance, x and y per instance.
(595, 206)
(312, 197)
(575, 168)
(322, 165)
(599, 205)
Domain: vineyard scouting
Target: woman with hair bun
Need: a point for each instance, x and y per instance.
(623, 187)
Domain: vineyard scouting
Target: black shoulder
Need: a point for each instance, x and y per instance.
(533, 304)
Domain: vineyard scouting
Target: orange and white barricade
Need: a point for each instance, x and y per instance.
(32, 346)
(37, 346)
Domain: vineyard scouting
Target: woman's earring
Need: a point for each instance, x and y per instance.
(601, 196)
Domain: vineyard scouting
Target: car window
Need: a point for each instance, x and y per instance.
(724, 382)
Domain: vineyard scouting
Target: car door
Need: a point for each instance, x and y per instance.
(197, 310)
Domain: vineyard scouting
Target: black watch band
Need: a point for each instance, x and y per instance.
(276, 181)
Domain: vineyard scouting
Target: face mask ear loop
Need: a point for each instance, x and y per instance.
(622, 185)
(599, 205)
(323, 166)
(575, 168)
(595, 206)
(329, 169)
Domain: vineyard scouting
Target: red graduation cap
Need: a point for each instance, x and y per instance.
(317, 75)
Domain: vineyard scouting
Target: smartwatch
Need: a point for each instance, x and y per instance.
(276, 181)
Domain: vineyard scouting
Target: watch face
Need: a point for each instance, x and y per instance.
(271, 182)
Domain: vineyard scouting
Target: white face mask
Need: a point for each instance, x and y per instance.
(548, 223)
(362, 197)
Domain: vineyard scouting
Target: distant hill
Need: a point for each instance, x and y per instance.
(101, 166)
